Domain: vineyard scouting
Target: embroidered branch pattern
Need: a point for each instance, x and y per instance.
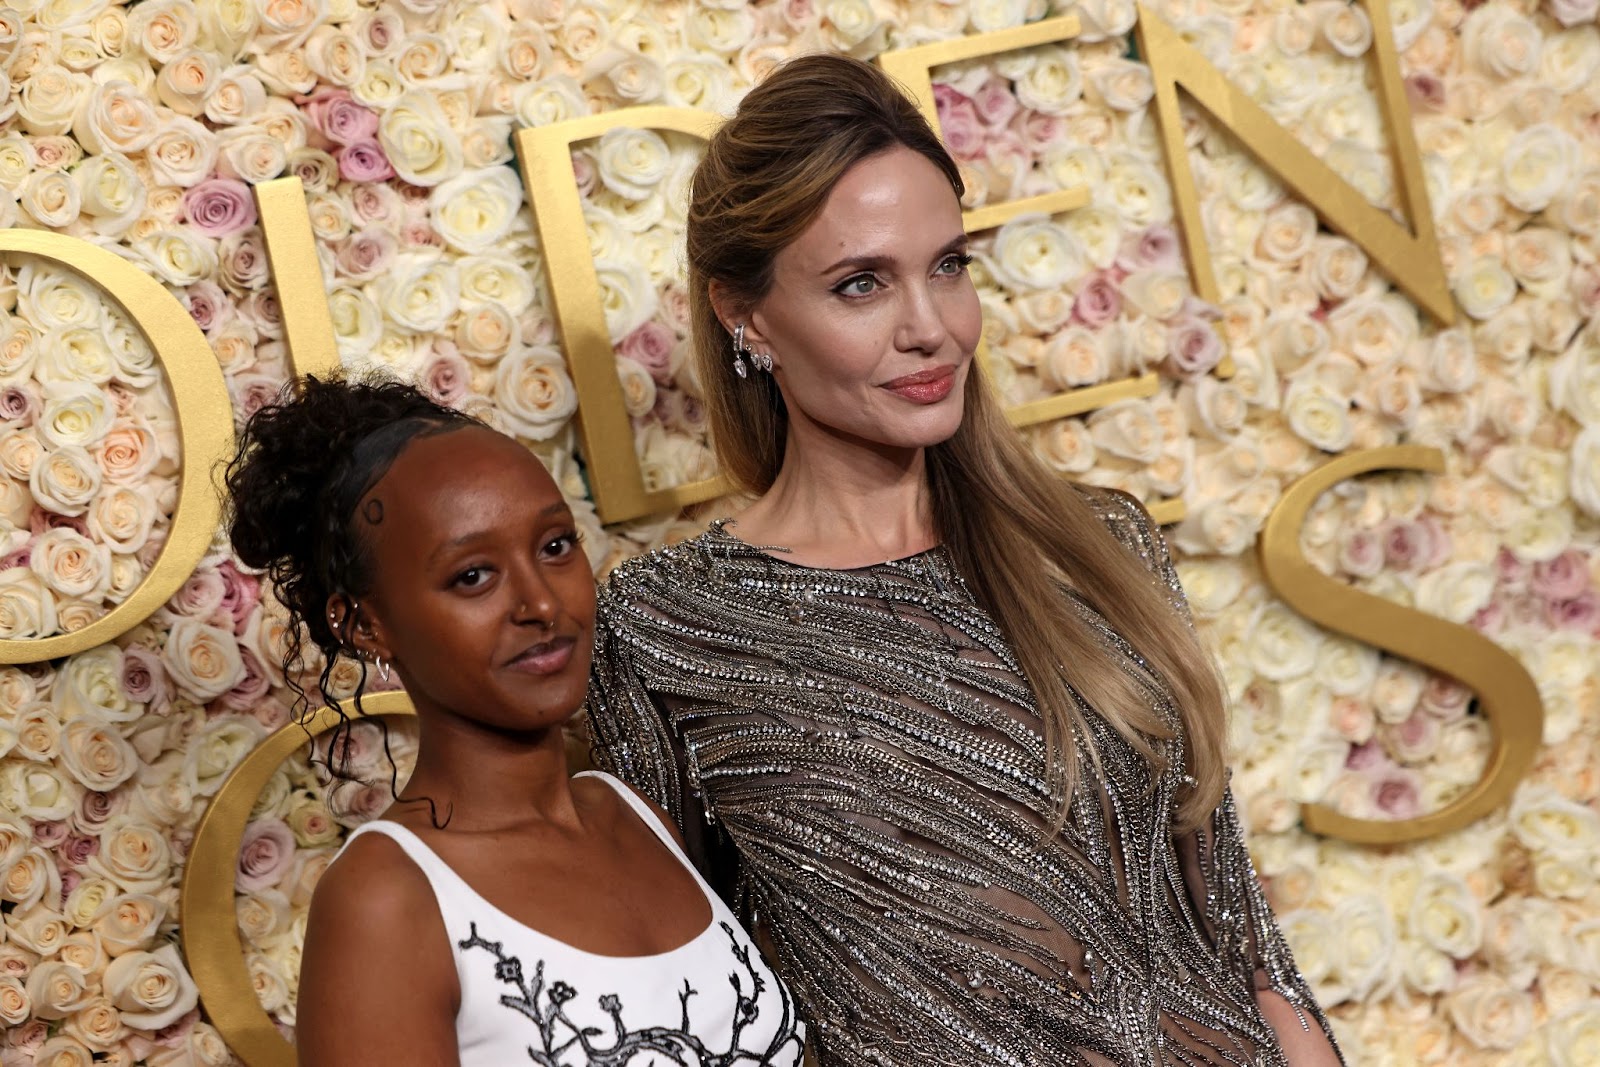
(544, 1003)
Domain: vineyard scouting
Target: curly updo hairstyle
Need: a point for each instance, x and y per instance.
(302, 466)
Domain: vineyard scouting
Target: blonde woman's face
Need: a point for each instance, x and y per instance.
(872, 320)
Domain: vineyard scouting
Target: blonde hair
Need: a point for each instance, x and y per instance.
(1005, 519)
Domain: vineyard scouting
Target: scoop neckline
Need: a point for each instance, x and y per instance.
(500, 913)
(719, 527)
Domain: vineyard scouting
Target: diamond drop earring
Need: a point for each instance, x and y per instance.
(739, 351)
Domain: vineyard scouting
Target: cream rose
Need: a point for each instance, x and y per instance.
(1490, 1013)
(70, 563)
(418, 141)
(96, 755)
(16, 1006)
(1457, 591)
(27, 607)
(133, 854)
(1033, 252)
(202, 659)
(32, 876)
(182, 153)
(1318, 417)
(1282, 644)
(534, 393)
(57, 989)
(1535, 165)
(151, 989)
(474, 211)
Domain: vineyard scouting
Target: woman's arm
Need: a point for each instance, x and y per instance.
(377, 979)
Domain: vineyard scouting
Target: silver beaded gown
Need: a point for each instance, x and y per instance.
(856, 759)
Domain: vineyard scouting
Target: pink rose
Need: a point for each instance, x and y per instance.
(19, 403)
(176, 1034)
(799, 14)
(260, 309)
(1414, 739)
(243, 259)
(207, 304)
(95, 809)
(363, 161)
(143, 678)
(1584, 285)
(1361, 554)
(265, 855)
(50, 832)
(1510, 572)
(1426, 91)
(1580, 614)
(273, 714)
(201, 596)
(1099, 302)
(250, 689)
(958, 121)
(341, 120)
(447, 378)
(70, 880)
(1562, 578)
(1365, 757)
(1406, 545)
(365, 255)
(1193, 348)
(354, 803)
(675, 309)
(1440, 544)
(252, 392)
(1397, 792)
(585, 174)
(1038, 131)
(78, 849)
(218, 207)
(995, 102)
(374, 203)
(1156, 247)
(240, 593)
(1445, 698)
(419, 233)
(651, 347)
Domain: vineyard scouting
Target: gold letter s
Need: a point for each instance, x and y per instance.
(1507, 696)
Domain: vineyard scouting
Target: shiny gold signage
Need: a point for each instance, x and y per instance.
(1509, 700)
(205, 431)
(1507, 696)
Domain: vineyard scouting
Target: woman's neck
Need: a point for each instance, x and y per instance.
(487, 780)
(839, 503)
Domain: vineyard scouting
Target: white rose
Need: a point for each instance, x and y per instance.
(1156, 292)
(1318, 417)
(1216, 528)
(1573, 1038)
(549, 100)
(37, 791)
(1574, 380)
(1053, 83)
(1446, 915)
(16, 1007)
(1137, 192)
(96, 755)
(32, 876)
(1122, 85)
(1066, 446)
(534, 393)
(151, 989)
(50, 198)
(1346, 667)
(1535, 165)
(420, 292)
(1538, 536)
(495, 279)
(1128, 430)
(57, 989)
(70, 563)
(1489, 1013)
(75, 414)
(1547, 823)
(1500, 42)
(48, 98)
(1456, 591)
(202, 659)
(178, 256)
(65, 481)
(27, 607)
(1346, 29)
(627, 295)
(474, 211)
(1485, 288)
(418, 141)
(1074, 357)
(632, 162)
(1033, 252)
(1584, 470)
(183, 152)
(1366, 942)
(1282, 644)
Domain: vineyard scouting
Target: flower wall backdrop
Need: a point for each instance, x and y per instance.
(141, 128)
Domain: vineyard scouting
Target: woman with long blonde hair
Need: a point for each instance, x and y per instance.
(936, 719)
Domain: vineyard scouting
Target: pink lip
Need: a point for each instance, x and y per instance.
(549, 657)
(925, 386)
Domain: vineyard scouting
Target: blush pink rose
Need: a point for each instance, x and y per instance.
(651, 347)
(176, 1035)
(208, 306)
(1562, 578)
(1038, 131)
(363, 161)
(1099, 302)
(1581, 614)
(995, 103)
(1396, 792)
(49, 833)
(96, 809)
(1406, 545)
(447, 378)
(252, 392)
(1445, 698)
(1193, 348)
(251, 688)
(1426, 91)
(1365, 757)
(218, 207)
(265, 855)
(959, 122)
(78, 849)
(1361, 554)
(365, 255)
(240, 594)
(1155, 247)
(1510, 572)
(338, 117)
(1573, 12)
(143, 677)
(19, 403)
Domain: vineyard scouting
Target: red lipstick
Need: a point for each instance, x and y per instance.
(925, 386)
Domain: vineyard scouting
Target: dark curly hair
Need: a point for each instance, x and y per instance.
(302, 465)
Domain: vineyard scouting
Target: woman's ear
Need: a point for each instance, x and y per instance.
(358, 632)
(732, 313)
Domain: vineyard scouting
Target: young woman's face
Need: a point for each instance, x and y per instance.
(872, 320)
(482, 598)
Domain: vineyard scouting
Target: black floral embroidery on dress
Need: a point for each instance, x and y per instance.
(545, 1006)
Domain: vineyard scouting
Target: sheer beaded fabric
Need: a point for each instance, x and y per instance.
(855, 755)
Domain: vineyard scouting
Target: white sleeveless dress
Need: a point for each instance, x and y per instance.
(530, 999)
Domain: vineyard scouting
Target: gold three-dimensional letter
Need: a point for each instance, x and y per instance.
(1507, 696)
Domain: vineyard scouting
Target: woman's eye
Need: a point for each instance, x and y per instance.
(471, 578)
(860, 285)
(955, 264)
(564, 545)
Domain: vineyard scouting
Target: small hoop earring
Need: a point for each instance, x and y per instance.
(739, 351)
